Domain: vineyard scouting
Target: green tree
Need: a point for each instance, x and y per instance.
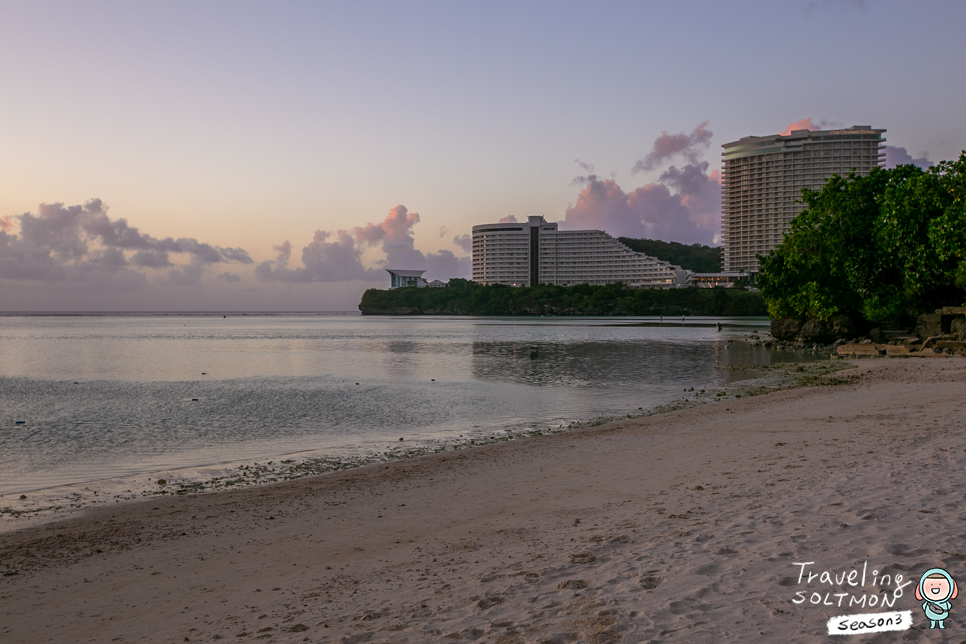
(693, 257)
(880, 248)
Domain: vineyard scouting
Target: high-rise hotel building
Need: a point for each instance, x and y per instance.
(762, 181)
(536, 252)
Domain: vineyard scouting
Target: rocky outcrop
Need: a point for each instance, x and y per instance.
(813, 330)
(786, 329)
(949, 320)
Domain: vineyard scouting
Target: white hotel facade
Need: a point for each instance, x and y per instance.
(536, 252)
(762, 181)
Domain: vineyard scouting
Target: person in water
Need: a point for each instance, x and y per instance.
(936, 588)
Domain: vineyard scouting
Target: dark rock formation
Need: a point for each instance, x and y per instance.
(812, 330)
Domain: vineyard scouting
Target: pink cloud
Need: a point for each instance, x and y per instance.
(337, 256)
(668, 146)
(690, 215)
(683, 205)
(509, 219)
(82, 243)
(5, 223)
(802, 124)
(322, 261)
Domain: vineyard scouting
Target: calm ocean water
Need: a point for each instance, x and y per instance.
(105, 396)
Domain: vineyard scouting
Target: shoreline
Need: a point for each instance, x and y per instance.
(683, 526)
(46, 504)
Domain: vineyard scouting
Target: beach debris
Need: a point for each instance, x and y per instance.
(194, 400)
(23, 497)
(573, 584)
(162, 482)
(400, 439)
(19, 422)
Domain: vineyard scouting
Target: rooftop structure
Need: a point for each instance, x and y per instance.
(763, 177)
(403, 278)
(537, 252)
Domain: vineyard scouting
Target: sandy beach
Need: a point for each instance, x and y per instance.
(685, 526)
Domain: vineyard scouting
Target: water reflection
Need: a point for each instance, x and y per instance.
(110, 395)
(620, 363)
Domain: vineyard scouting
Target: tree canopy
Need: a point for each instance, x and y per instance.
(462, 297)
(693, 257)
(884, 247)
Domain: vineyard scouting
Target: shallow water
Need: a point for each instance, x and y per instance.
(106, 396)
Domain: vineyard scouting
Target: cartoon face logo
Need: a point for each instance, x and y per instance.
(936, 588)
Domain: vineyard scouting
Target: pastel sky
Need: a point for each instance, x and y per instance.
(232, 155)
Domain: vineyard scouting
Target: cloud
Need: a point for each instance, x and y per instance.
(443, 231)
(151, 259)
(118, 233)
(239, 255)
(802, 124)
(229, 277)
(82, 243)
(669, 146)
(337, 256)
(509, 219)
(6, 223)
(809, 124)
(899, 156)
(186, 275)
(683, 205)
(653, 211)
(394, 229)
(329, 257)
(464, 241)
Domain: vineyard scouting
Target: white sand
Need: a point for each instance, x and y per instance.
(596, 535)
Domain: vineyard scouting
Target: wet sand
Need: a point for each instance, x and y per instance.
(680, 527)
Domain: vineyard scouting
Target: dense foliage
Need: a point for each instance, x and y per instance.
(462, 297)
(885, 247)
(697, 258)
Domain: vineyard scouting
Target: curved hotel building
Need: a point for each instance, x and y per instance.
(762, 181)
(536, 252)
